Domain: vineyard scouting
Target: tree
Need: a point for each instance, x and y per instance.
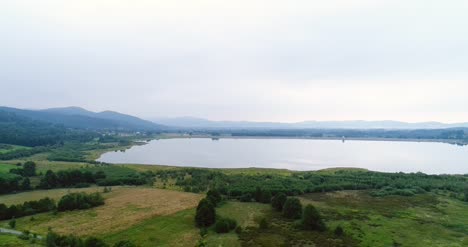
(206, 214)
(214, 196)
(26, 184)
(311, 219)
(49, 180)
(277, 202)
(29, 169)
(292, 208)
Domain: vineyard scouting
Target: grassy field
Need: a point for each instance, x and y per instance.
(177, 229)
(422, 220)
(246, 214)
(5, 148)
(125, 207)
(5, 168)
(14, 241)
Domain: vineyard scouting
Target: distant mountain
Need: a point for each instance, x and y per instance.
(75, 117)
(199, 123)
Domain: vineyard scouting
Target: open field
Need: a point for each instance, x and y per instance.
(5, 148)
(125, 207)
(421, 220)
(5, 168)
(177, 229)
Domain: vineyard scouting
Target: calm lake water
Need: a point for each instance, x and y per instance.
(299, 154)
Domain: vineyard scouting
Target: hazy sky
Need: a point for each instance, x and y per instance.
(239, 60)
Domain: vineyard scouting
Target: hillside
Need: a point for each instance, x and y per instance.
(74, 117)
(19, 130)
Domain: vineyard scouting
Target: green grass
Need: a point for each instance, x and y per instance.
(422, 220)
(13, 241)
(172, 230)
(246, 215)
(5, 168)
(6, 148)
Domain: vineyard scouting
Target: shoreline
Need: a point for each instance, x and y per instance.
(446, 141)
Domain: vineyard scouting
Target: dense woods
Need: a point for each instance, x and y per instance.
(23, 131)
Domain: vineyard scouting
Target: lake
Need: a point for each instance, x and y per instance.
(298, 154)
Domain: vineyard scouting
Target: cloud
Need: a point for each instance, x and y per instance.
(258, 60)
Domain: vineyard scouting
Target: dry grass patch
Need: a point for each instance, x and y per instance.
(125, 207)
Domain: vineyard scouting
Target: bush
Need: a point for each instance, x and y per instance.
(247, 197)
(311, 219)
(339, 231)
(94, 242)
(55, 240)
(125, 243)
(238, 230)
(225, 225)
(12, 224)
(278, 201)
(292, 208)
(206, 214)
(263, 224)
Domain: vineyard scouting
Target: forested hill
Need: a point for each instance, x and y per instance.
(19, 130)
(74, 117)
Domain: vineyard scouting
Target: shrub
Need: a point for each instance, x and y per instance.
(247, 197)
(278, 201)
(238, 230)
(292, 208)
(94, 242)
(225, 225)
(12, 224)
(263, 224)
(311, 219)
(125, 243)
(339, 231)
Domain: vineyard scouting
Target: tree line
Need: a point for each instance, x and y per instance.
(73, 201)
(260, 187)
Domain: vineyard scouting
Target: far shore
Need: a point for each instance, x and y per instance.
(447, 141)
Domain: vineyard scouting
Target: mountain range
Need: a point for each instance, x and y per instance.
(200, 123)
(76, 117)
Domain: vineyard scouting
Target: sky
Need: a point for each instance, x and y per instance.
(257, 60)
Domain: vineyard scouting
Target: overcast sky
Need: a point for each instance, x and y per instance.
(239, 60)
